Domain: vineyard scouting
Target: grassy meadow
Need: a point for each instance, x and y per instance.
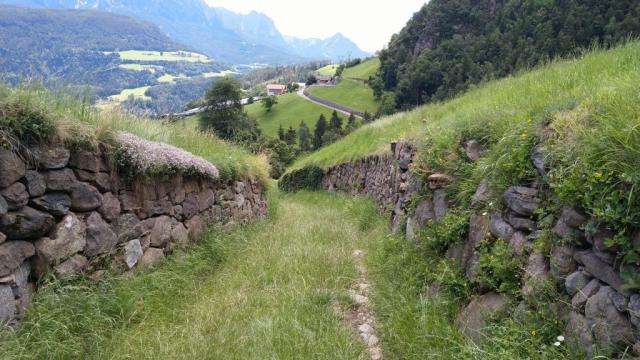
(147, 55)
(328, 70)
(138, 93)
(290, 111)
(363, 70)
(349, 93)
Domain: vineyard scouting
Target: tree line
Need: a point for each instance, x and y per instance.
(450, 45)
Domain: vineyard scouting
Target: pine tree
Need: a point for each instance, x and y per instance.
(351, 123)
(281, 134)
(321, 129)
(336, 123)
(367, 117)
(304, 137)
(290, 136)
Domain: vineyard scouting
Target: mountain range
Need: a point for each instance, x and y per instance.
(223, 35)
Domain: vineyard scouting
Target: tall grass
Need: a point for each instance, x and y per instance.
(73, 120)
(497, 110)
(265, 291)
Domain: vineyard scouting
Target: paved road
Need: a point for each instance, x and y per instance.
(302, 95)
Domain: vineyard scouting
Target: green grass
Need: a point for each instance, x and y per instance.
(290, 111)
(146, 55)
(138, 93)
(167, 78)
(268, 291)
(265, 291)
(328, 70)
(222, 73)
(349, 93)
(140, 67)
(73, 122)
(363, 70)
(505, 112)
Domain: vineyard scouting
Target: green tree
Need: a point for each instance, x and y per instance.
(281, 134)
(304, 137)
(311, 80)
(335, 123)
(367, 118)
(290, 136)
(352, 123)
(268, 102)
(340, 70)
(225, 116)
(318, 133)
(388, 103)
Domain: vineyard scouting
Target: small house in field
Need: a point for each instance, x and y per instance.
(276, 89)
(324, 79)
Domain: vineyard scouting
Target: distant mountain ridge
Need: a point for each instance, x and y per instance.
(222, 34)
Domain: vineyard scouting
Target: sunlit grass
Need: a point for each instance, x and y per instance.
(349, 93)
(363, 70)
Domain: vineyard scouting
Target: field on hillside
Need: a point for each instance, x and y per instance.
(138, 93)
(363, 70)
(290, 111)
(147, 55)
(349, 93)
(328, 70)
(497, 110)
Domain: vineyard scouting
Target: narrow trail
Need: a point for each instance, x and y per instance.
(274, 297)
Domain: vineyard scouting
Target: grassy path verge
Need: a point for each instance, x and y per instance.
(266, 291)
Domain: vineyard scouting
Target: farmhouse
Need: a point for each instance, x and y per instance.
(324, 79)
(276, 89)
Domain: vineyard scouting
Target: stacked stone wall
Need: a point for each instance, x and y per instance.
(70, 212)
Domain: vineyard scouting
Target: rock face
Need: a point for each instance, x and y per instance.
(85, 197)
(601, 270)
(132, 253)
(70, 239)
(12, 168)
(56, 203)
(471, 320)
(52, 158)
(521, 200)
(100, 237)
(26, 223)
(16, 196)
(12, 254)
(500, 228)
(609, 326)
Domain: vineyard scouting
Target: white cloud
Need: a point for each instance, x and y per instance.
(369, 23)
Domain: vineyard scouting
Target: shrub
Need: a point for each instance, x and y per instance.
(500, 269)
(307, 178)
(437, 237)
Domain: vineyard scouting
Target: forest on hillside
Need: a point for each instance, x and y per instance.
(450, 45)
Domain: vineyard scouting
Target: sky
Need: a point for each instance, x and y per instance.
(369, 23)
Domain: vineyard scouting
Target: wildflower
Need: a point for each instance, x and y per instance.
(560, 338)
(598, 175)
(147, 155)
(484, 213)
(557, 343)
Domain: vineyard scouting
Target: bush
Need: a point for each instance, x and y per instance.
(500, 269)
(307, 178)
(437, 237)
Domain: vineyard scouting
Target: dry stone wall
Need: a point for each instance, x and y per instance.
(70, 212)
(600, 313)
(385, 178)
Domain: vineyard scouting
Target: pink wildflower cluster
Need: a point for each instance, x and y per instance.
(148, 155)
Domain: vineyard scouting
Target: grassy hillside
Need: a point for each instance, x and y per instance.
(290, 111)
(349, 93)
(364, 70)
(328, 70)
(602, 84)
(36, 115)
